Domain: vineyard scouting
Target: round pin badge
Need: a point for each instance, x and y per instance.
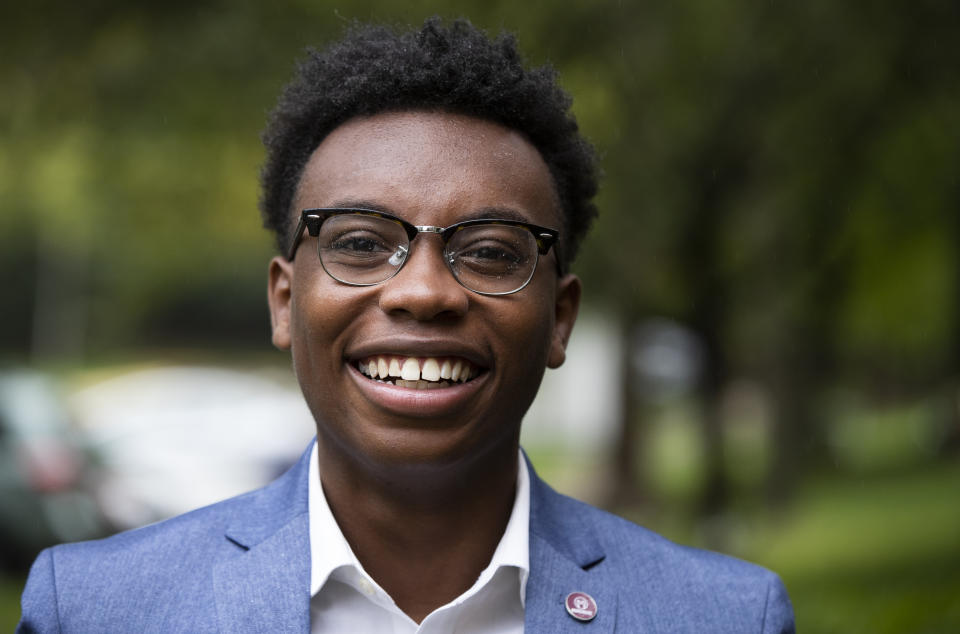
(581, 606)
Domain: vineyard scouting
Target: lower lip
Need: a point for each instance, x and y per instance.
(416, 403)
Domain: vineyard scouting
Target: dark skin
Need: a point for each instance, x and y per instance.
(422, 482)
(424, 555)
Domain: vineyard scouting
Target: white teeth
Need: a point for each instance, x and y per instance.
(410, 370)
(430, 370)
(417, 373)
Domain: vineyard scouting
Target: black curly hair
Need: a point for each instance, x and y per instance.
(450, 68)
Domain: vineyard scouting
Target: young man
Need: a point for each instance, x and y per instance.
(428, 194)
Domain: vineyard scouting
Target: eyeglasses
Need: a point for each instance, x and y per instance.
(361, 247)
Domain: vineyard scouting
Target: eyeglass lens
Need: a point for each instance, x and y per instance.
(362, 249)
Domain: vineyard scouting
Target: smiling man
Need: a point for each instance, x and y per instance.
(428, 194)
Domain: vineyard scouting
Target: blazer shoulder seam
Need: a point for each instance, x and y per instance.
(772, 583)
(56, 592)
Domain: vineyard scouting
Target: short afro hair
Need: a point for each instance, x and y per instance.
(452, 68)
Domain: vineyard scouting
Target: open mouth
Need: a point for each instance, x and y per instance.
(419, 373)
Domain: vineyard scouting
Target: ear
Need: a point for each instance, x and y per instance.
(567, 306)
(279, 283)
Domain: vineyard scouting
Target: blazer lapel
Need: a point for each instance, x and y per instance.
(267, 589)
(553, 576)
(564, 552)
(265, 585)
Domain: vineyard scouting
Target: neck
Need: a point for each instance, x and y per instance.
(424, 534)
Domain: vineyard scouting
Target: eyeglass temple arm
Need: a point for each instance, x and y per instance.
(312, 222)
(544, 242)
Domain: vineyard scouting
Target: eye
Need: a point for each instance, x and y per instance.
(490, 257)
(359, 243)
(491, 253)
(357, 249)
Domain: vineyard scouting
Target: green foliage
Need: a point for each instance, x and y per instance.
(10, 589)
(817, 140)
(876, 554)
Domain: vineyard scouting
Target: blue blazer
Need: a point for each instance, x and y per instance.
(243, 565)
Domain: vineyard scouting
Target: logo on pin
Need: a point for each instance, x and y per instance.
(581, 606)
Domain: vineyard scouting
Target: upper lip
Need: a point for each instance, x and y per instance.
(418, 347)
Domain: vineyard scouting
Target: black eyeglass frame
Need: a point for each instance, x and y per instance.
(313, 218)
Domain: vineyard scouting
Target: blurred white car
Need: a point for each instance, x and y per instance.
(46, 472)
(172, 439)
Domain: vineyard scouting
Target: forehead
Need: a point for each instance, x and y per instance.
(430, 168)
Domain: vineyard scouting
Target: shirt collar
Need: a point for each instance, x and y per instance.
(329, 549)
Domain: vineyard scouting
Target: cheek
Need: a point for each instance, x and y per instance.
(522, 362)
(320, 306)
(528, 335)
(317, 329)
(316, 322)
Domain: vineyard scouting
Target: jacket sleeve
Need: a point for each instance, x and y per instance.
(40, 612)
(778, 613)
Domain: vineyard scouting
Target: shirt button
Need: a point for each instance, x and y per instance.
(367, 587)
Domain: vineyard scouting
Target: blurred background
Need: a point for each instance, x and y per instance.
(768, 363)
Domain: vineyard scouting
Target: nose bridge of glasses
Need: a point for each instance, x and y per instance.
(444, 234)
(440, 232)
(429, 229)
(405, 257)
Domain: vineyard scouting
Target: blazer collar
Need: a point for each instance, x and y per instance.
(265, 585)
(565, 556)
(267, 510)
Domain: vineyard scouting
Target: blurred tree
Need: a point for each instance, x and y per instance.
(781, 179)
(748, 176)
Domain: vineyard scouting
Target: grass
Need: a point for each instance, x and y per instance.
(874, 554)
(10, 588)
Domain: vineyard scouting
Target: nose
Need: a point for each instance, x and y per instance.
(425, 288)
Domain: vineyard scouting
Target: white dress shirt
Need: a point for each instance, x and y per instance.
(344, 598)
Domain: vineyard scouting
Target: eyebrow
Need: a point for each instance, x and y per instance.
(493, 212)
